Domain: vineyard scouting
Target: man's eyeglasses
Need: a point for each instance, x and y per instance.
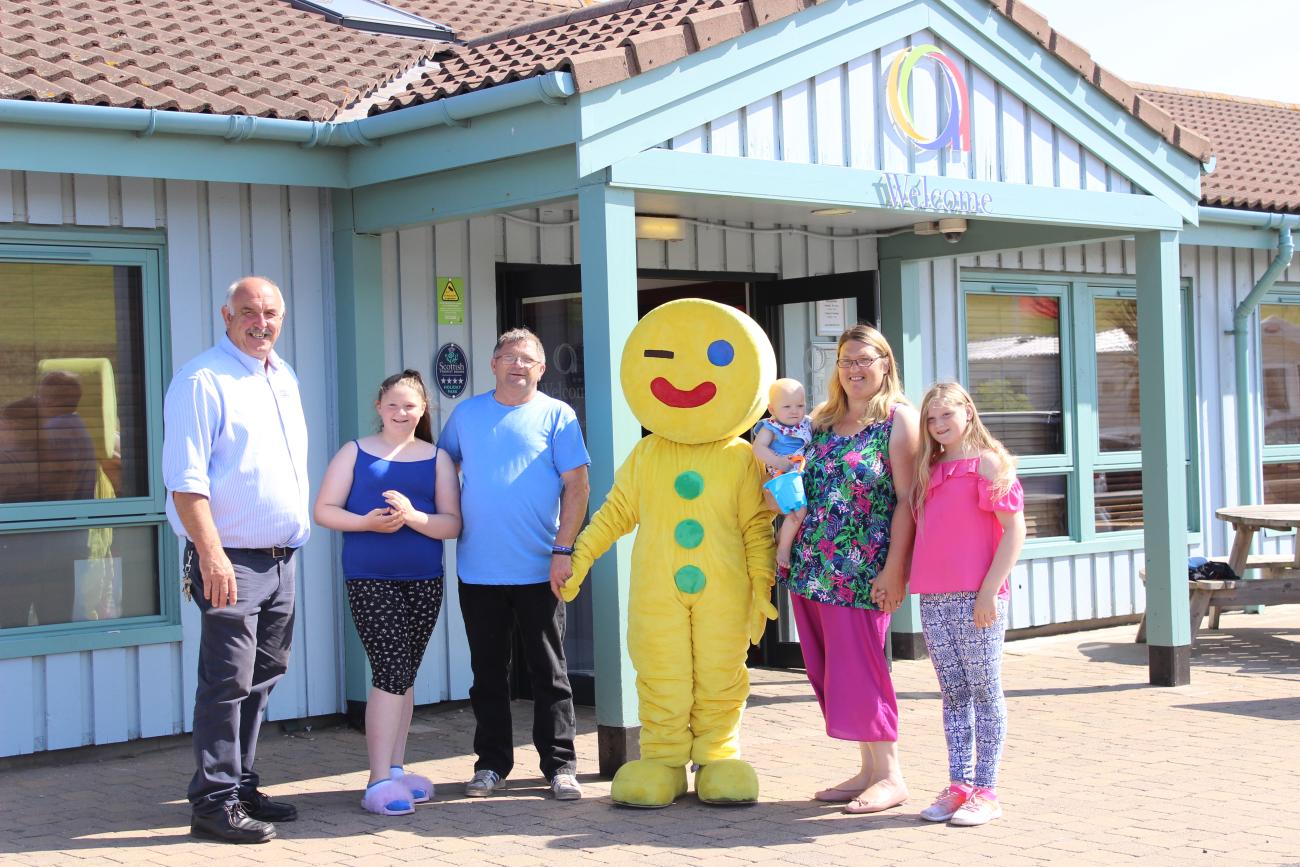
(522, 360)
(864, 363)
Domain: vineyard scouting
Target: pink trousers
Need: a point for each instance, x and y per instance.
(844, 652)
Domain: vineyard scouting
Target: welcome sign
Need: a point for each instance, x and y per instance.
(922, 193)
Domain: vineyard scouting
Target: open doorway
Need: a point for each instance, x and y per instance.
(802, 317)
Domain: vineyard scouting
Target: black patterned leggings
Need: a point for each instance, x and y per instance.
(394, 620)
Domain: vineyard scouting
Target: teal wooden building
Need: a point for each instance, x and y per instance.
(1099, 263)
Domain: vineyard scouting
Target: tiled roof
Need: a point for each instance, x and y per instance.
(258, 57)
(614, 41)
(267, 59)
(1257, 159)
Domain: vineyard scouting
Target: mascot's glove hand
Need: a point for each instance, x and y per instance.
(762, 610)
(581, 566)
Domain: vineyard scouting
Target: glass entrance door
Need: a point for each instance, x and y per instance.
(547, 299)
(804, 318)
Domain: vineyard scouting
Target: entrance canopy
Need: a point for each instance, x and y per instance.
(936, 128)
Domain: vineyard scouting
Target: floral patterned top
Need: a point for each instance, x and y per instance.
(844, 540)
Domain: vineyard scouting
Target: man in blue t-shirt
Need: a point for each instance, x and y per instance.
(523, 467)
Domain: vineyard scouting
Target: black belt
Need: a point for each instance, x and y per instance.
(275, 552)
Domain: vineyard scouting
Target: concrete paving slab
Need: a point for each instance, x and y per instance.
(1100, 768)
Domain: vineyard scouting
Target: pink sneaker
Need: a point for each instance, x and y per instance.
(981, 807)
(949, 802)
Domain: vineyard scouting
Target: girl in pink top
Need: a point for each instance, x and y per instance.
(970, 526)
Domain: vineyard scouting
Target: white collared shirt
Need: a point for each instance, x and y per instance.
(235, 433)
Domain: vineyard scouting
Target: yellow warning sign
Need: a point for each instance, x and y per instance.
(451, 300)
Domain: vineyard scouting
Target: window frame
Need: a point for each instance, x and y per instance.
(1034, 465)
(145, 249)
(1082, 456)
(1286, 295)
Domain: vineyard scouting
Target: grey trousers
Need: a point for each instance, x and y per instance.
(243, 652)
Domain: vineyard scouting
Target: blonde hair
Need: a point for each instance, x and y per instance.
(890, 393)
(785, 385)
(977, 439)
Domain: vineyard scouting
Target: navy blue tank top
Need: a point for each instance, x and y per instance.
(405, 555)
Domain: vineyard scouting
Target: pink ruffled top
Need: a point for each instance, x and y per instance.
(959, 533)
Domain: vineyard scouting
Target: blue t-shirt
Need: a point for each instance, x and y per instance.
(511, 458)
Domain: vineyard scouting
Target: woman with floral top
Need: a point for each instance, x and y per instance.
(848, 568)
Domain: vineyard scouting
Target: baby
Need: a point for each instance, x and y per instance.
(779, 439)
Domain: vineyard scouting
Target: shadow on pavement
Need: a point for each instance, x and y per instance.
(1281, 710)
(1243, 650)
(594, 822)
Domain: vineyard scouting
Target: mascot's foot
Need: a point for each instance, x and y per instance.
(726, 782)
(648, 784)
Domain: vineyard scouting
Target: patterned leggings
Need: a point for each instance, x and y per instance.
(968, 662)
(394, 620)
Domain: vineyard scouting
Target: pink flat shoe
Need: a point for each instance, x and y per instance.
(861, 806)
(836, 795)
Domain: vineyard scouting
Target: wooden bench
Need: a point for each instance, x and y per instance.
(1279, 586)
(1269, 566)
(1265, 562)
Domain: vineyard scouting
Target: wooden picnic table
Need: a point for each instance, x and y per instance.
(1280, 573)
(1249, 520)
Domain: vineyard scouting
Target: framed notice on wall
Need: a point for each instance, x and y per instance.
(450, 292)
(830, 318)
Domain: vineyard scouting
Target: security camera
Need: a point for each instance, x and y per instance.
(952, 228)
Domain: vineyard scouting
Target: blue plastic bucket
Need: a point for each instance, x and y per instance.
(787, 490)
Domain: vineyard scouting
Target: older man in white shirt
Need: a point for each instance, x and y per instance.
(235, 467)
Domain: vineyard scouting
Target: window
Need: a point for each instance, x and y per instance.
(1013, 355)
(82, 528)
(1072, 418)
(1279, 344)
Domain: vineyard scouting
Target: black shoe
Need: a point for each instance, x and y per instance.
(231, 824)
(258, 806)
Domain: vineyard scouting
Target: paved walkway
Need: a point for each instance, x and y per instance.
(1100, 768)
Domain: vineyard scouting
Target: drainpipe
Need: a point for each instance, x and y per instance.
(1246, 452)
(451, 111)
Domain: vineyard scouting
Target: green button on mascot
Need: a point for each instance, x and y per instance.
(696, 375)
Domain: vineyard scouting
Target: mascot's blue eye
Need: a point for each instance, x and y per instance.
(721, 353)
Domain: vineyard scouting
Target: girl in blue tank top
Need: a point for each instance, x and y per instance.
(395, 496)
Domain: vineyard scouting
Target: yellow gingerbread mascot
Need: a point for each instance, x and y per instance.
(696, 374)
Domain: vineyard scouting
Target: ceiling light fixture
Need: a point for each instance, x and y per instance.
(652, 227)
(833, 212)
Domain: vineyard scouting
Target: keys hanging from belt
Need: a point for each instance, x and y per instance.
(187, 583)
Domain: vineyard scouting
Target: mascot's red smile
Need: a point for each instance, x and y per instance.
(670, 395)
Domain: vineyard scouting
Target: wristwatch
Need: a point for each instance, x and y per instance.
(566, 550)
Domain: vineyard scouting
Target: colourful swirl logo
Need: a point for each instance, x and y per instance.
(955, 131)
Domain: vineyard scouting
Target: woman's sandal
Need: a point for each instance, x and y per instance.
(421, 788)
(387, 798)
(859, 807)
(837, 795)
